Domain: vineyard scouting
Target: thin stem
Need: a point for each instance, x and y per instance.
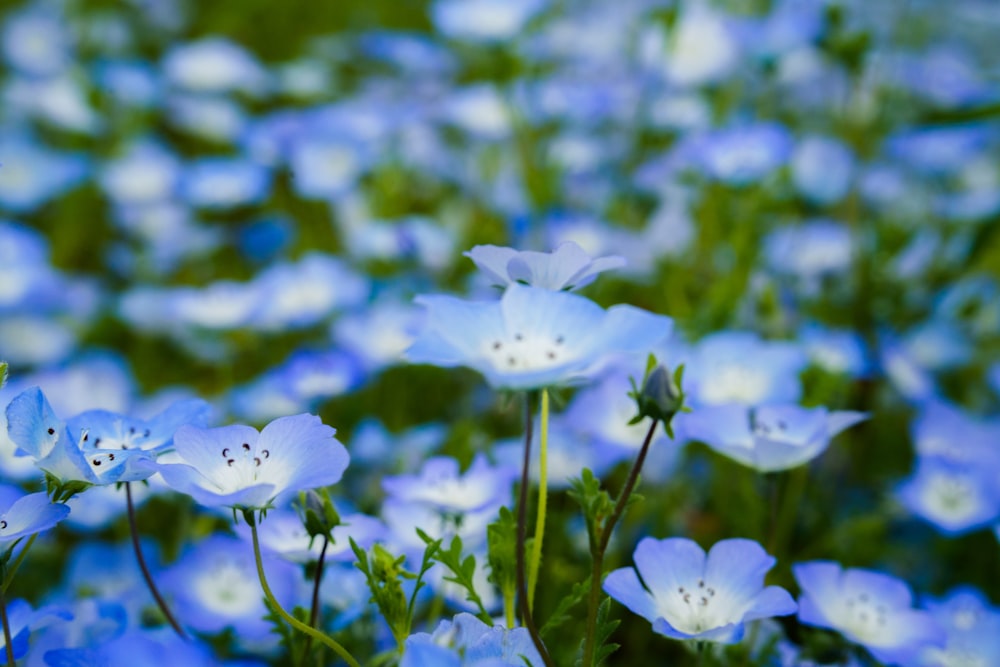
(522, 587)
(508, 610)
(633, 477)
(12, 569)
(291, 620)
(543, 497)
(160, 602)
(795, 486)
(11, 662)
(601, 543)
(314, 609)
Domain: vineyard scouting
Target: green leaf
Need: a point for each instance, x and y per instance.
(605, 627)
(561, 613)
(463, 571)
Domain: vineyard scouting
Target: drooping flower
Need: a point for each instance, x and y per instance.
(693, 597)
(33, 426)
(869, 608)
(771, 437)
(568, 267)
(532, 337)
(237, 466)
(468, 642)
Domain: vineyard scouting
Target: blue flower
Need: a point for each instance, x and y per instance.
(768, 438)
(214, 66)
(565, 268)
(822, 169)
(956, 497)
(483, 20)
(108, 430)
(235, 466)
(688, 596)
(468, 642)
(532, 337)
(868, 608)
(32, 425)
(440, 485)
(24, 515)
(972, 627)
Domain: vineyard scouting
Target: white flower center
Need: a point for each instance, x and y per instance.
(950, 496)
(866, 618)
(696, 608)
(228, 589)
(527, 352)
(245, 466)
(734, 383)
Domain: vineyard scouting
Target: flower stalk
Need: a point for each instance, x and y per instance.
(543, 496)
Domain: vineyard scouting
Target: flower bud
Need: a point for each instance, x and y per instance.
(319, 516)
(661, 396)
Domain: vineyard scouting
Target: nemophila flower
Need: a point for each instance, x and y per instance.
(569, 452)
(285, 535)
(466, 641)
(373, 445)
(23, 620)
(836, 350)
(379, 334)
(101, 506)
(143, 647)
(224, 183)
(565, 268)
(701, 48)
(24, 515)
(31, 174)
(146, 173)
(411, 52)
(743, 155)
(326, 166)
(954, 496)
(300, 294)
(441, 485)
(34, 340)
(938, 345)
(905, 373)
(740, 367)
(214, 586)
(950, 432)
(237, 466)
(36, 42)
(868, 608)
(214, 65)
(810, 251)
(822, 168)
(688, 595)
(32, 425)
(478, 111)
(971, 626)
(532, 337)
(771, 437)
(212, 118)
(404, 518)
(483, 20)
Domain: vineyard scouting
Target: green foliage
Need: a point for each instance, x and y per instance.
(318, 514)
(605, 627)
(501, 537)
(3, 373)
(595, 502)
(62, 490)
(463, 570)
(385, 574)
(561, 613)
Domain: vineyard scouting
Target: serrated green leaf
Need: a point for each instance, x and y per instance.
(561, 613)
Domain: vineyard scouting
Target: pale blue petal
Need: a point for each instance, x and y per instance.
(665, 565)
(623, 585)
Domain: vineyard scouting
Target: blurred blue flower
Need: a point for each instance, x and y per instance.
(701, 48)
(214, 65)
(483, 20)
(744, 154)
(31, 174)
(412, 53)
(214, 586)
(215, 119)
(972, 626)
(224, 183)
(768, 438)
(283, 534)
(532, 337)
(300, 294)
(955, 497)
(811, 251)
(740, 367)
(868, 608)
(146, 173)
(838, 351)
(36, 42)
(465, 641)
(822, 169)
(686, 595)
(129, 82)
(441, 485)
(567, 267)
(372, 445)
(940, 149)
(237, 466)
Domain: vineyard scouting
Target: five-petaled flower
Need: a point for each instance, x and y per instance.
(690, 596)
(237, 466)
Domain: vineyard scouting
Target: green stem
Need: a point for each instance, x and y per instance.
(599, 546)
(508, 608)
(543, 497)
(11, 662)
(150, 584)
(12, 569)
(291, 620)
(788, 509)
(522, 519)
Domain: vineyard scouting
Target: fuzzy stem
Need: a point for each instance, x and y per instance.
(133, 530)
(314, 609)
(11, 662)
(522, 587)
(599, 546)
(291, 620)
(543, 497)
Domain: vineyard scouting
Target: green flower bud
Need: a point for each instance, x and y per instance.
(319, 516)
(661, 396)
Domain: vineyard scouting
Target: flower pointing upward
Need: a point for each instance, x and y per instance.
(568, 267)
(235, 466)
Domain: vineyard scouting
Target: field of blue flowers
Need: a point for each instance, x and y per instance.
(441, 333)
